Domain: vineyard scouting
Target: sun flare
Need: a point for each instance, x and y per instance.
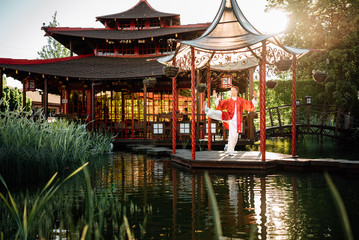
(274, 21)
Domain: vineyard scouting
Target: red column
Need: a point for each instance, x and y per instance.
(294, 105)
(193, 132)
(174, 120)
(262, 106)
(209, 105)
(88, 104)
(65, 101)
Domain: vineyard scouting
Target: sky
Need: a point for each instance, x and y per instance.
(21, 36)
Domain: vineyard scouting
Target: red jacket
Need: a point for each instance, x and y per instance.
(227, 107)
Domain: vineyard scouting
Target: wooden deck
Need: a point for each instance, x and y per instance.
(248, 160)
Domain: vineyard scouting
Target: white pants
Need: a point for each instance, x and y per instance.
(233, 135)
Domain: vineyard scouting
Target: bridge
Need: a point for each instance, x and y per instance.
(312, 119)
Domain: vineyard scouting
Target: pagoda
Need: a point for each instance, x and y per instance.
(113, 82)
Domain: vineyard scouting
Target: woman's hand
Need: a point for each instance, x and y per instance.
(214, 94)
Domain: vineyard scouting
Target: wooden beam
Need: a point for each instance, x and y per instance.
(46, 98)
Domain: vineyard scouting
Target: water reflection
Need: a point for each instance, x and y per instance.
(279, 206)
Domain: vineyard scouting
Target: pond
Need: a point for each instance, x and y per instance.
(311, 146)
(166, 201)
(274, 205)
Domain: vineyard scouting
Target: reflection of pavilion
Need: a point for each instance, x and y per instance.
(232, 43)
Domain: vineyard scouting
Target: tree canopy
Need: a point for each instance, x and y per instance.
(53, 49)
(332, 28)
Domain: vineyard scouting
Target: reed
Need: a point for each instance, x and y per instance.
(77, 212)
(342, 213)
(32, 149)
(28, 220)
(214, 207)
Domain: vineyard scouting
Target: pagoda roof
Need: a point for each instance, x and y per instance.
(141, 10)
(84, 67)
(114, 34)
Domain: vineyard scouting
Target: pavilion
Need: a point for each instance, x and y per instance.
(232, 43)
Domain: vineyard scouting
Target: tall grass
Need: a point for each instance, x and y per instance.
(31, 150)
(28, 220)
(77, 212)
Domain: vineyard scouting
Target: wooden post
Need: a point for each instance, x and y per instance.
(262, 90)
(270, 116)
(93, 105)
(308, 117)
(279, 121)
(88, 104)
(46, 99)
(198, 108)
(209, 105)
(337, 123)
(23, 95)
(145, 110)
(251, 114)
(133, 115)
(193, 132)
(294, 106)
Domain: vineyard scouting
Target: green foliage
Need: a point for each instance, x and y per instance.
(44, 147)
(53, 49)
(12, 99)
(330, 26)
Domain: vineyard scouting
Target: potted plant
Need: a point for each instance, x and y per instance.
(149, 81)
(283, 64)
(271, 84)
(319, 76)
(170, 71)
(201, 87)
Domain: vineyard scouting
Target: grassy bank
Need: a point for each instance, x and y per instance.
(31, 151)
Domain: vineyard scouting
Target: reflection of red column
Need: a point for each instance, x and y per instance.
(263, 209)
(262, 90)
(294, 106)
(209, 105)
(193, 207)
(174, 120)
(193, 133)
(174, 202)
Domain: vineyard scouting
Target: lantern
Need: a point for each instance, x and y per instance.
(308, 100)
(226, 81)
(30, 84)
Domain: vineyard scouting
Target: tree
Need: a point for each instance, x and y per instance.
(12, 99)
(53, 49)
(331, 27)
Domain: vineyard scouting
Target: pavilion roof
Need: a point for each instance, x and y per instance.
(85, 67)
(114, 34)
(141, 10)
(231, 42)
